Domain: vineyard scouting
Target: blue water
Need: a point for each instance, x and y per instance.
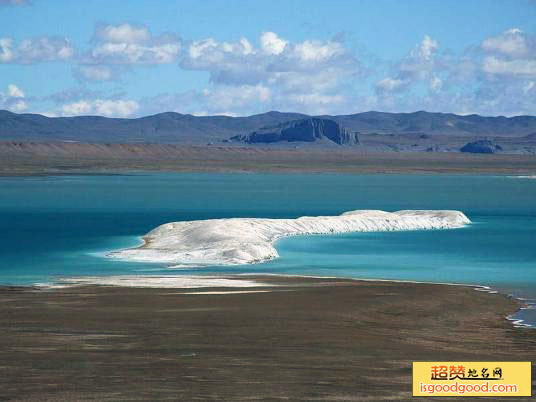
(56, 227)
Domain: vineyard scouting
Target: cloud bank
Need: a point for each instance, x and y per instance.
(250, 75)
(35, 50)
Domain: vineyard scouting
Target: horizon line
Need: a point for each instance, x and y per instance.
(263, 113)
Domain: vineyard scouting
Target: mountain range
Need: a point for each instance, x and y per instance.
(176, 128)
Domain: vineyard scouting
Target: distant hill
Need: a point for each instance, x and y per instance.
(170, 127)
(311, 129)
(438, 123)
(163, 128)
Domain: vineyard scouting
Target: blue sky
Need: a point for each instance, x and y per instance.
(133, 58)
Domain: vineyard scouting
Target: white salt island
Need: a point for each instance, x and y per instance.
(250, 240)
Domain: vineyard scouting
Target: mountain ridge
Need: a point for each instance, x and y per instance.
(173, 127)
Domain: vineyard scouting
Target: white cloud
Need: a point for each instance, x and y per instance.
(294, 73)
(14, 91)
(116, 48)
(316, 51)
(19, 106)
(243, 47)
(419, 65)
(421, 60)
(36, 50)
(493, 78)
(512, 42)
(391, 84)
(123, 33)
(224, 59)
(6, 50)
(510, 55)
(219, 100)
(197, 48)
(520, 68)
(497, 75)
(426, 49)
(130, 44)
(111, 108)
(436, 83)
(207, 53)
(13, 99)
(133, 53)
(272, 44)
(101, 107)
(244, 100)
(78, 108)
(498, 97)
(308, 75)
(95, 72)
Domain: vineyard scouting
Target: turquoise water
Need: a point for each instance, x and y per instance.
(56, 227)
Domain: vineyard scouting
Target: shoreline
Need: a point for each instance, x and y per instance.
(190, 159)
(135, 172)
(517, 323)
(142, 172)
(74, 282)
(297, 338)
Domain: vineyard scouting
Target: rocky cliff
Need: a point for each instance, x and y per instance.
(481, 147)
(303, 130)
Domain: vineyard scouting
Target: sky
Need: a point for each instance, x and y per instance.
(130, 58)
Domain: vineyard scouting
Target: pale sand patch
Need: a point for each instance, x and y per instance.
(232, 292)
(152, 281)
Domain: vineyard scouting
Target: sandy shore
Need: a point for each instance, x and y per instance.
(296, 339)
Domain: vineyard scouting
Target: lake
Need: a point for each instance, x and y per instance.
(58, 227)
